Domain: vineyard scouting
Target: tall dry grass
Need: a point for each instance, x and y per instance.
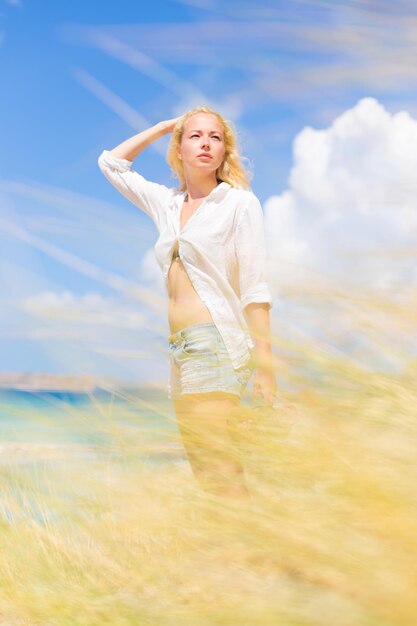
(329, 538)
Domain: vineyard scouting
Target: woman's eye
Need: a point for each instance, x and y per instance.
(195, 135)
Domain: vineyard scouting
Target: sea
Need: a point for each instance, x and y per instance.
(50, 424)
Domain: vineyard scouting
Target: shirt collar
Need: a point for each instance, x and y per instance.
(221, 187)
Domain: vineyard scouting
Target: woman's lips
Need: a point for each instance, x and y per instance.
(207, 156)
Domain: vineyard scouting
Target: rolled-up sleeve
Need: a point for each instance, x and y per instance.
(151, 197)
(250, 247)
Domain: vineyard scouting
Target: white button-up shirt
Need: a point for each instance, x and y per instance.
(222, 246)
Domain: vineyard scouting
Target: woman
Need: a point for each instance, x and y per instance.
(211, 250)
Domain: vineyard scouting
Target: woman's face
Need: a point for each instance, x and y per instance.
(202, 144)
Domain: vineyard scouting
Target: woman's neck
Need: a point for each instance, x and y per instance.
(197, 188)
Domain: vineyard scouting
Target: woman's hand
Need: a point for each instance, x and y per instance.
(264, 386)
(169, 125)
(130, 148)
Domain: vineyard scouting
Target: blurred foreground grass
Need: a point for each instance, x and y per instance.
(328, 539)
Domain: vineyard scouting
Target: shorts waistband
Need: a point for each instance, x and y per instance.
(183, 332)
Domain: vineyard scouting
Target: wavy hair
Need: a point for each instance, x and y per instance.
(230, 171)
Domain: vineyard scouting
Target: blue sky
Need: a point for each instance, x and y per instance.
(80, 289)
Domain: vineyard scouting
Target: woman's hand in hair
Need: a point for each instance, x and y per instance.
(169, 125)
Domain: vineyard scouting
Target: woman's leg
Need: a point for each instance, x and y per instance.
(213, 453)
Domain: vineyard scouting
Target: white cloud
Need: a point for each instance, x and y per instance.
(89, 309)
(342, 237)
(351, 202)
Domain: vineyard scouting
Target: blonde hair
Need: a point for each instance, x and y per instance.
(230, 171)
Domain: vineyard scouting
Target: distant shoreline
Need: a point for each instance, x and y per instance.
(64, 383)
(41, 381)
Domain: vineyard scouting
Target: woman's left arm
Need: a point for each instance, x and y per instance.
(255, 295)
(264, 384)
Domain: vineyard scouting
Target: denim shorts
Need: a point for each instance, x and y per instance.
(201, 363)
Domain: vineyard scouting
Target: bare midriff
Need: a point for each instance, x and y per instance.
(185, 306)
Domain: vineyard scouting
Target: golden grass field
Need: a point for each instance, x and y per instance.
(329, 538)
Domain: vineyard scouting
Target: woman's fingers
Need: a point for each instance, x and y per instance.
(170, 124)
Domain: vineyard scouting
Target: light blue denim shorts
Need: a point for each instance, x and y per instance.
(201, 363)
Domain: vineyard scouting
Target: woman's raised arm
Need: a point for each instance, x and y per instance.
(130, 148)
(116, 166)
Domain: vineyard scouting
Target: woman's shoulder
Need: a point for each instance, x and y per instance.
(242, 194)
(244, 198)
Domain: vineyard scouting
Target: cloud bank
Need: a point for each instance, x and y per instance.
(350, 210)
